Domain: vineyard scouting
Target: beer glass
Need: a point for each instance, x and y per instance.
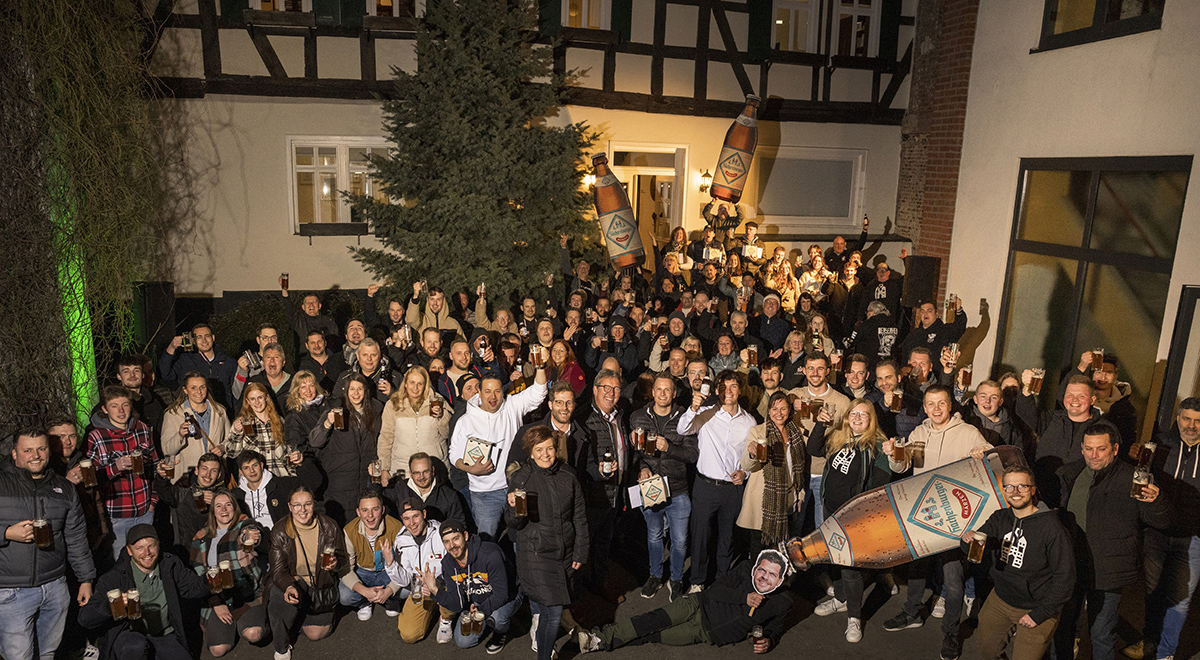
(42, 533)
(247, 542)
(752, 354)
(415, 588)
(760, 452)
(284, 280)
(199, 501)
(248, 428)
(253, 359)
(605, 345)
(975, 552)
(951, 308)
(952, 348)
(814, 408)
(638, 436)
(214, 579)
(966, 372)
(464, 623)
(375, 471)
(900, 450)
(328, 558)
(652, 446)
(756, 633)
(477, 618)
(88, 473)
(169, 468)
(1097, 359)
(116, 604)
(1141, 479)
(435, 408)
(339, 419)
(841, 366)
(133, 604)
(918, 455)
(536, 357)
(186, 342)
(520, 502)
(137, 466)
(226, 572)
(1035, 382)
(897, 404)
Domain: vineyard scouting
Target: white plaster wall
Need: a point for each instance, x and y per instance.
(1131, 96)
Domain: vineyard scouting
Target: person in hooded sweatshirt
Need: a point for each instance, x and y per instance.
(1033, 572)
(492, 417)
(262, 495)
(746, 602)
(435, 315)
(946, 438)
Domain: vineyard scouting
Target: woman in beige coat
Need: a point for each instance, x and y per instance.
(212, 424)
(774, 494)
(409, 426)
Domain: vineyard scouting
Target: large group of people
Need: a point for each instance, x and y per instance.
(456, 461)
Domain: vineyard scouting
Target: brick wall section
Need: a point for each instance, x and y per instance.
(932, 131)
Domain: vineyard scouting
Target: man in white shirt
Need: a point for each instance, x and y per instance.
(494, 419)
(717, 494)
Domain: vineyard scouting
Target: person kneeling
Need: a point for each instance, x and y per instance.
(741, 604)
(419, 544)
(368, 540)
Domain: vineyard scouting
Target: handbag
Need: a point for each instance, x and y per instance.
(321, 599)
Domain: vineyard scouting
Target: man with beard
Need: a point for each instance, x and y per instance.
(561, 418)
(476, 579)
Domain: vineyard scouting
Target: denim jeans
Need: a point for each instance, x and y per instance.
(1102, 609)
(673, 517)
(351, 598)
(120, 527)
(549, 618)
(499, 620)
(950, 563)
(812, 498)
(487, 508)
(1172, 572)
(33, 612)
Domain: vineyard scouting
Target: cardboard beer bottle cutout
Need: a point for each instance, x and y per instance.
(733, 165)
(912, 518)
(617, 222)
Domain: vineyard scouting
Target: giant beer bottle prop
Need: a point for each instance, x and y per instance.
(736, 154)
(617, 222)
(909, 519)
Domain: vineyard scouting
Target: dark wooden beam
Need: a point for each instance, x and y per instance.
(310, 55)
(267, 52)
(210, 38)
(700, 80)
(366, 56)
(658, 48)
(736, 7)
(609, 76)
(898, 77)
(763, 68)
(731, 49)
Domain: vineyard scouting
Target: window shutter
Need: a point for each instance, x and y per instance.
(759, 39)
(622, 18)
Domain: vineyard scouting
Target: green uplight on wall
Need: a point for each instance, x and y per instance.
(77, 319)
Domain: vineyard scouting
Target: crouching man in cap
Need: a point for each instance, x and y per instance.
(158, 583)
(744, 603)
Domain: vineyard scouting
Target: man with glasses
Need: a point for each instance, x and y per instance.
(267, 336)
(1033, 572)
(561, 418)
(441, 501)
(609, 472)
(207, 360)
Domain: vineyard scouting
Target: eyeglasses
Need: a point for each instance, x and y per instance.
(1013, 488)
(301, 505)
(608, 389)
(858, 414)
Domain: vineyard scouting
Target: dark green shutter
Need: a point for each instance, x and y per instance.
(231, 11)
(352, 13)
(759, 38)
(889, 32)
(549, 16)
(622, 18)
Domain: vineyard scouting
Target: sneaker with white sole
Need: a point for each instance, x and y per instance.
(889, 581)
(589, 641)
(91, 652)
(391, 613)
(533, 631)
(939, 608)
(695, 589)
(827, 607)
(286, 655)
(853, 630)
(364, 612)
(445, 633)
(902, 621)
(496, 643)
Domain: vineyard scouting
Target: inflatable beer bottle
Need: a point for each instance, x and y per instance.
(916, 517)
(617, 222)
(733, 165)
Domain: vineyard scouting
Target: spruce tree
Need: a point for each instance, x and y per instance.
(487, 185)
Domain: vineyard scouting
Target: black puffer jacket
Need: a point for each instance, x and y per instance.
(344, 457)
(682, 452)
(1106, 553)
(726, 616)
(54, 498)
(553, 535)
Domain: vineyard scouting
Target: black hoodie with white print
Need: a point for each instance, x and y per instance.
(1034, 566)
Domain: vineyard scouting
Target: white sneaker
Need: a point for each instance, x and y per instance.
(364, 612)
(445, 631)
(827, 607)
(853, 630)
(968, 603)
(391, 613)
(829, 590)
(286, 655)
(939, 608)
(889, 581)
(90, 652)
(695, 589)
(588, 641)
(533, 631)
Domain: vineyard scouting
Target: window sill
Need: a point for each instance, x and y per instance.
(333, 229)
(588, 35)
(287, 18)
(1122, 28)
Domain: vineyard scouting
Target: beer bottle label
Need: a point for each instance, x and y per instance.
(607, 180)
(750, 122)
(732, 166)
(620, 232)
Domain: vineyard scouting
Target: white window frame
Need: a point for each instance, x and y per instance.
(811, 40)
(858, 185)
(605, 13)
(679, 192)
(343, 144)
(872, 12)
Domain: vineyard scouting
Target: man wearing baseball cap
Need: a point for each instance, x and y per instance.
(157, 583)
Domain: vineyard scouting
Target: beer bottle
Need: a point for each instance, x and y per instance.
(617, 222)
(912, 518)
(733, 165)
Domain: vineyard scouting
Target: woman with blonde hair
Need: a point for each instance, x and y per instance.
(410, 425)
(303, 408)
(259, 427)
(856, 463)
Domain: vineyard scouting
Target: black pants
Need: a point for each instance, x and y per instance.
(284, 617)
(133, 645)
(719, 504)
(600, 531)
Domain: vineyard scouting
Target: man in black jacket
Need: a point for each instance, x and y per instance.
(1060, 433)
(667, 454)
(746, 602)
(933, 333)
(1034, 572)
(441, 501)
(308, 315)
(44, 531)
(608, 473)
(262, 495)
(162, 583)
(1105, 523)
(207, 360)
(562, 419)
(476, 578)
(180, 496)
(986, 412)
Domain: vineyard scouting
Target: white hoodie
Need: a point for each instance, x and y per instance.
(953, 442)
(498, 428)
(256, 499)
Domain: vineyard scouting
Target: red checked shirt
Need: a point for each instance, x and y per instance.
(126, 495)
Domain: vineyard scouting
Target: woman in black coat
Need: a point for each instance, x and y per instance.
(345, 455)
(552, 539)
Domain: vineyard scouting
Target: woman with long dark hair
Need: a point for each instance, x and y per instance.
(774, 495)
(563, 365)
(344, 455)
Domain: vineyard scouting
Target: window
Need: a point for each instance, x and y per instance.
(588, 14)
(809, 188)
(1073, 22)
(858, 27)
(321, 168)
(796, 26)
(1090, 263)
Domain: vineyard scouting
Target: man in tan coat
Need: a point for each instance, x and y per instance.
(435, 315)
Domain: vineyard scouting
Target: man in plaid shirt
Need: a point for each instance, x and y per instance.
(116, 433)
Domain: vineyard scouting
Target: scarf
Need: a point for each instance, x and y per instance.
(776, 503)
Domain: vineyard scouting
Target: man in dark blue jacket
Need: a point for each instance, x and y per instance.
(476, 581)
(217, 367)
